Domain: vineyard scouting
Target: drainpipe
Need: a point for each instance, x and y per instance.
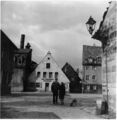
(106, 74)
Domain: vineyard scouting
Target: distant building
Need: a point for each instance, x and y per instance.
(107, 35)
(79, 72)
(92, 81)
(7, 54)
(23, 68)
(72, 75)
(32, 77)
(47, 71)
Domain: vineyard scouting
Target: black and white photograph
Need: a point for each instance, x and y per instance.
(58, 59)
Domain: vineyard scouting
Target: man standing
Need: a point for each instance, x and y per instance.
(55, 90)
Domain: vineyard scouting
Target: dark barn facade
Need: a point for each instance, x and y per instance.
(23, 68)
(75, 81)
(7, 54)
(17, 67)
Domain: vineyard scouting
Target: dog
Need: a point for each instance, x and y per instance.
(74, 102)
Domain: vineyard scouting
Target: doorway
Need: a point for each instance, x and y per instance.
(46, 87)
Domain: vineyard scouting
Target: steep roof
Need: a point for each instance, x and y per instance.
(70, 72)
(5, 41)
(91, 51)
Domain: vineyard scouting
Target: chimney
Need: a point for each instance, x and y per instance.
(22, 41)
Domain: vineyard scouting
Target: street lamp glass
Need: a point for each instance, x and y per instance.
(90, 25)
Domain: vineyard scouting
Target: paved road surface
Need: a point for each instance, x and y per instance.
(85, 108)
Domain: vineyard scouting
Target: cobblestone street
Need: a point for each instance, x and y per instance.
(40, 106)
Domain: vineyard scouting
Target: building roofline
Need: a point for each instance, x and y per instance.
(3, 33)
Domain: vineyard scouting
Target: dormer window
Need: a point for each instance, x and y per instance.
(23, 59)
(99, 59)
(19, 59)
(90, 60)
(95, 61)
(86, 60)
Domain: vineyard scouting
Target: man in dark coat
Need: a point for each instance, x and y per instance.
(62, 92)
(55, 90)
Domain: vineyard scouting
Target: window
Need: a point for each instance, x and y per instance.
(87, 77)
(90, 60)
(94, 87)
(19, 59)
(38, 74)
(93, 77)
(50, 74)
(86, 67)
(88, 87)
(99, 59)
(48, 58)
(48, 65)
(44, 74)
(95, 61)
(23, 59)
(66, 86)
(39, 85)
(93, 68)
(15, 59)
(56, 75)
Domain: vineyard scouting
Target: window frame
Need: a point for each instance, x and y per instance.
(47, 65)
(87, 67)
(39, 84)
(38, 74)
(44, 74)
(94, 87)
(93, 77)
(50, 75)
(88, 87)
(87, 76)
(93, 67)
(56, 75)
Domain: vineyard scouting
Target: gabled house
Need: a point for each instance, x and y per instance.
(75, 81)
(47, 71)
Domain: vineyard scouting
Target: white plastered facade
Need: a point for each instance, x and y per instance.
(46, 74)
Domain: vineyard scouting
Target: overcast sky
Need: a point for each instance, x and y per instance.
(52, 25)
